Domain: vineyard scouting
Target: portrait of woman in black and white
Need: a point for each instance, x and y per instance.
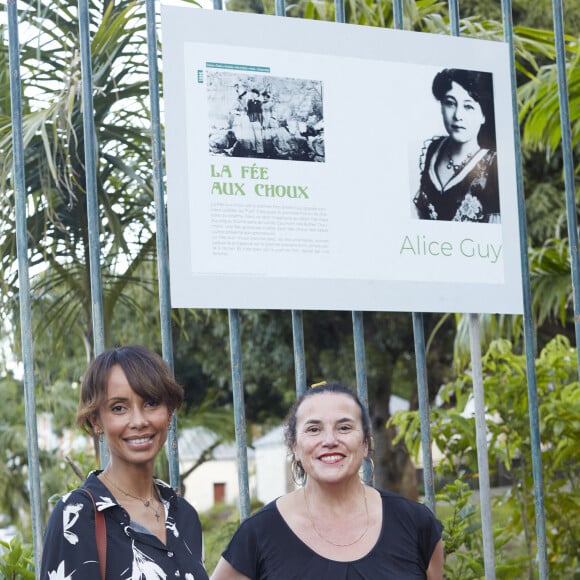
(458, 171)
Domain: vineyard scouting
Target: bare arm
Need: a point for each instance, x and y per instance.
(435, 570)
(225, 571)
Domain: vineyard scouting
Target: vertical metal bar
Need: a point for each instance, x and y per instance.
(421, 366)
(357, 321)
(541, 546)
(299, 358)
(239, 411)
(481, 442)
(423, 396)
(24, 283)
(91, 179)
(161, 230)
(568, 157)
(398, 16)
(480, 426)
(238, 396)
(454, 17)
(90, 140)
(297, 319)
(339, 13)
(361, 378)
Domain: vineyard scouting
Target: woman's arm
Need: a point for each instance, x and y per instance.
(225, 571)
(435, 570)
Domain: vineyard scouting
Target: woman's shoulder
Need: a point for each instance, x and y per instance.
(398, 502)
(264, 513)
(433, 143)
(90, 492)
(78, 496)
(428, 148)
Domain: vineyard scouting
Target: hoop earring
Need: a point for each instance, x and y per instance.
(371, 477)
(298, 474)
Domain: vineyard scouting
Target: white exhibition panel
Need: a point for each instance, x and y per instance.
(334, 232)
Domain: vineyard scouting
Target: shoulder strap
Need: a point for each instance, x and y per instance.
(100, 535)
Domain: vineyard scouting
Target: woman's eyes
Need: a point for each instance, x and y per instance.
(340, 429)
(118, 408)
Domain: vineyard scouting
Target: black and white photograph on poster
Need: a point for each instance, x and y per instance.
(265, 117)
(458, 176)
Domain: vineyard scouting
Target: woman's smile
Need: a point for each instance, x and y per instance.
(335, 458)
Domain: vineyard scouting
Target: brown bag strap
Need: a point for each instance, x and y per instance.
(100, 535)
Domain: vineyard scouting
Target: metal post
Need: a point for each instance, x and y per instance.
(280, 7)
(361, 378)
(542, 556)
(239, 411)
(90, 142)
(299, 358)
(568, 157)
(398, 16)
(339, 13)
(421, 364)
(481, 442)
(24, 284)
(161, 231)
(480, 426)
(423, 396)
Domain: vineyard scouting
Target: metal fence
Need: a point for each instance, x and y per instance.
(19, 180)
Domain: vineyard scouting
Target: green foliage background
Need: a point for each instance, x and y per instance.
(61, 298)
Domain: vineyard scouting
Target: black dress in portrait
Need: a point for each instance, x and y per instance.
(471, 195)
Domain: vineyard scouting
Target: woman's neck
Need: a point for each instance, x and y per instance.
(136, 479)
(333, 495)
(460, 150)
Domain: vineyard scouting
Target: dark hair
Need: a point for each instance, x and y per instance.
(334, 388)
(146, 372)
(479, 86)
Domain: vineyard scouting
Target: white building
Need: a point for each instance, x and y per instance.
(215, 481)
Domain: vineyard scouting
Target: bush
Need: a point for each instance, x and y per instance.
(506, 400)
(17, 560)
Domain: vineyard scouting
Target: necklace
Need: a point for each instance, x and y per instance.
(459, 166)
(145, 501)
(330, 541)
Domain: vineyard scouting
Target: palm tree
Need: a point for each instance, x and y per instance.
(55, 168)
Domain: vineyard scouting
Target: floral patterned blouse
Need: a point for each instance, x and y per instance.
(70, 550)
(471, 195)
